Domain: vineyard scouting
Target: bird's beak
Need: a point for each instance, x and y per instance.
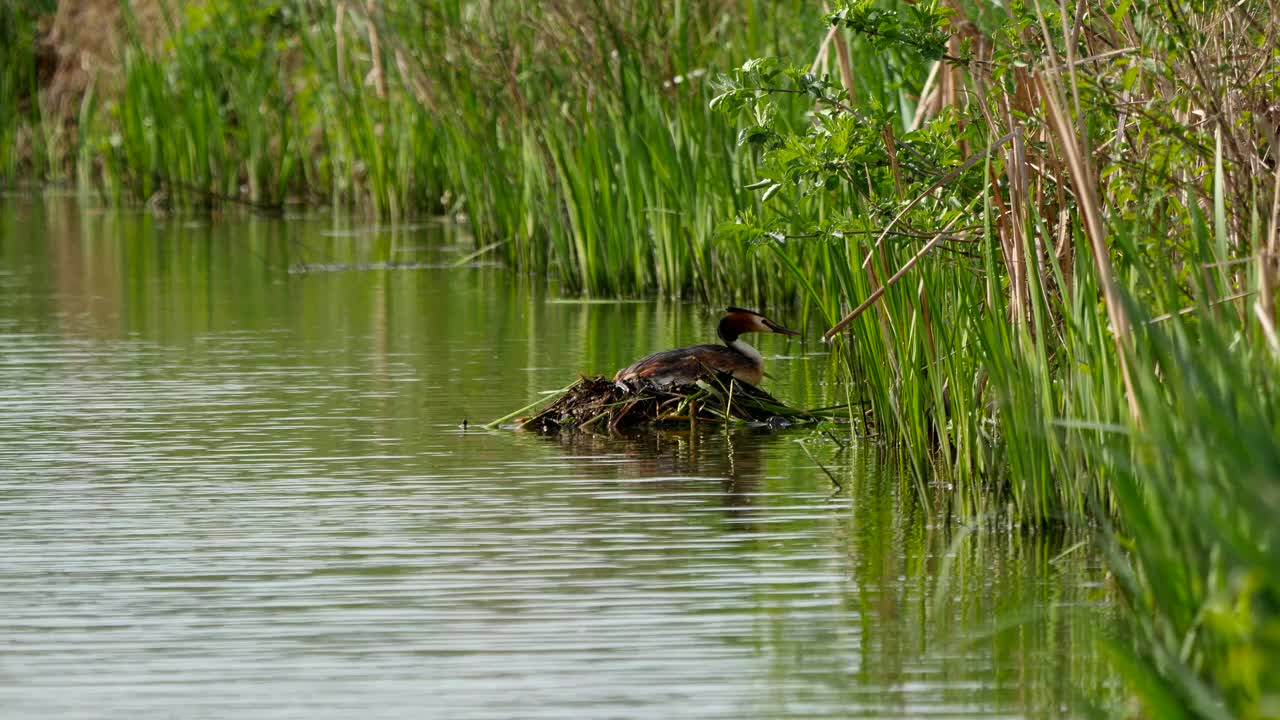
(778, 328)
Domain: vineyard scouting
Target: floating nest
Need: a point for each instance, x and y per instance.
(597, 403)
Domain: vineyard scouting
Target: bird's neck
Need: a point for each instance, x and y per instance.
(751, 353)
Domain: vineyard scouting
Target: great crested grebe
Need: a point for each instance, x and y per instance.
(686, 365)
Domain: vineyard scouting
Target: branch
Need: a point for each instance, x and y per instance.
(890, 282)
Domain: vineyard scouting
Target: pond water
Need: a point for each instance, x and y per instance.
(234, 482)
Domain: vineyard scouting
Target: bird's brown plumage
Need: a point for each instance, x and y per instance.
(687, 365)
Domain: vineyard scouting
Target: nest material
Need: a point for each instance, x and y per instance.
(602, 404)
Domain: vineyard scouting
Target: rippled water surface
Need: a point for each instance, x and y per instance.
(234, 483)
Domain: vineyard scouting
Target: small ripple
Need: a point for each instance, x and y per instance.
(237, 532)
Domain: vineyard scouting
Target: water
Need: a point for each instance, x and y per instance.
(233, 490)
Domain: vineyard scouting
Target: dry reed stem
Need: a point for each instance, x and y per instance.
(412, 72)
(891, 149)
(1011, 245)
(1268, 329)
(846, 67)
(1064, 253)
(340, 13)
(922, 295)
(882, 320)
(1265, 308)
(821, 57)
(1094, 231)
(879, 291)
(419, 84)
(952, 175)
(377, 74)
(1000, 214)
(1192, 308)
(928, 94)
(876, 288)
(968, 163)
(1015, 170)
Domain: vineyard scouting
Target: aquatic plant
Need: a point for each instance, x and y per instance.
(614, 180)
(1193, 549)
(21, 128)
(1051, 265)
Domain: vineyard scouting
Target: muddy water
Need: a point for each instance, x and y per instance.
(235, 482)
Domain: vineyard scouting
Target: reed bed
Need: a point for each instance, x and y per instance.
(599, 160)
(1060, 292)
(23, 144)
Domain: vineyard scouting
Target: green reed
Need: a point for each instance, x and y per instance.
(22, 129)
(600, 163)
(1076, 343)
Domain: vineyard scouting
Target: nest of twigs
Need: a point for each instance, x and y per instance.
(597, 403)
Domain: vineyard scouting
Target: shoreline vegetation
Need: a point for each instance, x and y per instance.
(1045, 236)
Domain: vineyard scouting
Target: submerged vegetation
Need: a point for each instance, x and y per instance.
(1044, 235)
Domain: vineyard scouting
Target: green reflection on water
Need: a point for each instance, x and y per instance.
(226, 444)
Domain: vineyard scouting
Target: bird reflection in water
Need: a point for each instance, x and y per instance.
(669, 458)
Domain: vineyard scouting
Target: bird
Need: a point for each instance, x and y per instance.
(687, 365)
